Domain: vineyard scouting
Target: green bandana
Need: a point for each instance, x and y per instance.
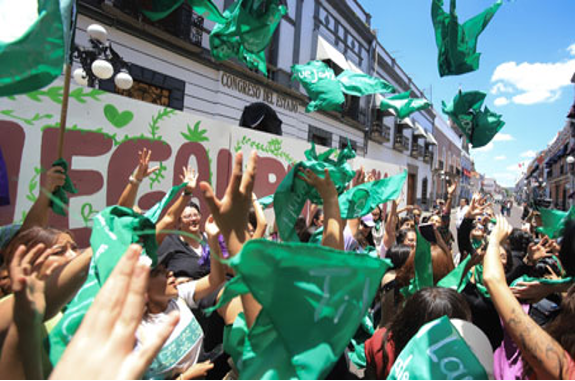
(478, 270)
(357, 356)
(360, 84)
(423, 268)
(35, 58)
(311, 286)
(363, 199)
(59, 199)
(527, 279)
(437, 352)
(480, 127)
(554, 221)
(292, 193)
(246, 31)
(115, 228)
(162, 8)
(321, 86)
(403, 105)
(457, 44)
(456, 280)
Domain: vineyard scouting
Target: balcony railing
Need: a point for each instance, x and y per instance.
(428, 157)
(380, 132)
(401, 142)
(417, 151)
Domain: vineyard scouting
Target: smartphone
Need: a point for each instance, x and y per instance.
(426, 230)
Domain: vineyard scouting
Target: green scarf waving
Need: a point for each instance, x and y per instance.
(456, 43)
(479, 126)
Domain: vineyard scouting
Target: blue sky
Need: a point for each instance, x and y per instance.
(528, 59)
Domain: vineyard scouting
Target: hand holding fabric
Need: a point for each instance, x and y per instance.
(55, 177)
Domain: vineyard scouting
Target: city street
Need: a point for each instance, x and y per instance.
(514, 219)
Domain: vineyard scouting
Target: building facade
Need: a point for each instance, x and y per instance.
(447, 164)
(171, 65)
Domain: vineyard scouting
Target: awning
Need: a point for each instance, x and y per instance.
(430, 139)
(419, 131)
(326, 51)
(406, 122)
(535, 169)
(558, 156)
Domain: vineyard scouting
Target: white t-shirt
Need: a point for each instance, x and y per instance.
(461, 212)
(183, 347)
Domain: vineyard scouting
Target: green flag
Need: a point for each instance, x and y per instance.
(160, 9)
(59, 201)
(321, 86)
(479, 126)
(312, 286)
(437, 352)
(33, 45)
(403, 105)
(363, 199)
(457, 44)
(528, 279)
(554, 221)
(360, 84)
(115, 228)
(292, 193)
(423, 268)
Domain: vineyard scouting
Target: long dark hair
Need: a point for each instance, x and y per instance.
(30, 238)
(424, 306)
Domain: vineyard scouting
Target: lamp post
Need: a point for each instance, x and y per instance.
(100, 61)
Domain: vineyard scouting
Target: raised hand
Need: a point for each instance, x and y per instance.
(28, 281)
(211, 228)
(231, 212)
(142, 170)
(197, 371)
(55, 178)
(359, 177)
(452, 188)
(324, 186)
(190, 177)
(501, 231)
(108, 331)
(535, 252)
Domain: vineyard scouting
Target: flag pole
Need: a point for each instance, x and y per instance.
(64, 111)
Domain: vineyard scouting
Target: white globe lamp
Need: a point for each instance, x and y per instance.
(80, 77)
(570, 160)
(102, 69)
(123, 80)
(97, 32)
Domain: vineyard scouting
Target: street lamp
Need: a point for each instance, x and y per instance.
(100, 61)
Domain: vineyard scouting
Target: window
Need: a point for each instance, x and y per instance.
(343, 143)
(152, 87)
(424, 191)
(319, 136)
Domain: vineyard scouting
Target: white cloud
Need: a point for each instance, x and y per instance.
(534, 82)
(503, 138)
(529, 154)
(501, 101)
(501, 88)
(513, 168)
(502, 157)
(487, 148)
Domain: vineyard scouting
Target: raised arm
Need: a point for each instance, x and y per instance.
(262, 223)
(450, 195)
(390, 226)
(172, 216)
(545, 356)
(38, 214)
(208, 284)
(332, 222)
(128, 197)
(231, 216)
(359, 179)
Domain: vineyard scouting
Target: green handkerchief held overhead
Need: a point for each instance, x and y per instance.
(479, 126)
(456, 43)
(59, 201)
(292, 193)
(298, 285)
(160, 9)
(423, 268)
(403, 105)
(554, 221)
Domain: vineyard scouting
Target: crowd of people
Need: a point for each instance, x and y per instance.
(150, 320)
